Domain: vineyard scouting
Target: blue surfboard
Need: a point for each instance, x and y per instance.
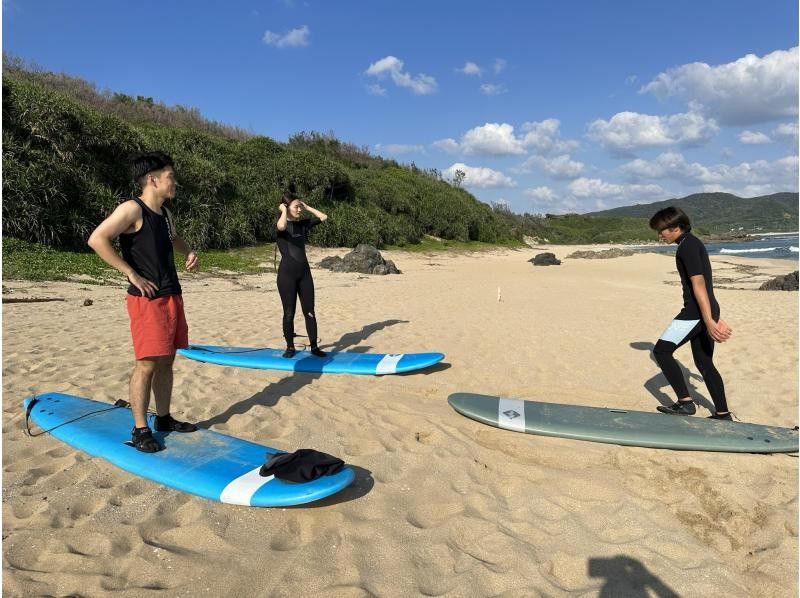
(374, 364)
(205, 463)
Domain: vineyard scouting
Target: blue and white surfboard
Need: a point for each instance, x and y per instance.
(335, 363)
(205, 463)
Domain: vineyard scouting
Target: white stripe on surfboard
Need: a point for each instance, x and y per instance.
(242, 489)
(511, 414)
(388, 364)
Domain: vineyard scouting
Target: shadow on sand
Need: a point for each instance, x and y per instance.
(289, 385)
(360, 487)
(659, 381)
(627, 578)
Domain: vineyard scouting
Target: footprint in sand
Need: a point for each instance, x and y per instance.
(293, 535)
(434, 569)
(189, 513)
(123, 545)
(61, 451)
(127, 492)
(85, 507)
(22, 552)
(433, 514)
(89, 543)
(34, 475)
(28, 508)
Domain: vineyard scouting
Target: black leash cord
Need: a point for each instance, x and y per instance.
(120, 403)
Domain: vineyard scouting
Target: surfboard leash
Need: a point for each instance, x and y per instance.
(198, 348)
(33, 402)
(119, 403)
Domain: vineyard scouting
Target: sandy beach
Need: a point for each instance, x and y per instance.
(442, 505)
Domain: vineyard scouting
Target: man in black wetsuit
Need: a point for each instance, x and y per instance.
(294, 273)
(698, 322)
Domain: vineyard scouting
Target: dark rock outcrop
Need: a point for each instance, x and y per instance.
(364, 259)
(601, 255)
(787, 282)
(545, 259)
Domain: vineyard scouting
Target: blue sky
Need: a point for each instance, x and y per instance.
(546, 106)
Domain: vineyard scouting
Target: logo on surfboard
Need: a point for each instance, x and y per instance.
(510, 414)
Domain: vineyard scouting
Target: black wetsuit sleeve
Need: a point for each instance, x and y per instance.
(312, 222)
(692, 259)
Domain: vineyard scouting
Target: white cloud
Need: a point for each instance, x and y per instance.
(786, 131)
(629, 131)
(477, 176)
(544, 137)
(291, 39)
(491, 139)
(541, 194)
(745, 190)
(499, 65)
(448, 145)
(598, 189)
(498, 139)
(470, 68)
(780, 175)
(631, 79)
(490, 89)
(749, 90)
(668, 164)
(399, 148)
(559, 167)
(376, 89)
(393, 67)
(754, 138)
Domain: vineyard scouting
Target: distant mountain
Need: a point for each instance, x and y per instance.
(721, 212)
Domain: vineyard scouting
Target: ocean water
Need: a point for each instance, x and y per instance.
(782, 246)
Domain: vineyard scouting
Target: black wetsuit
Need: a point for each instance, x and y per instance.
(691, 259)
(149, 252)
(294, 278)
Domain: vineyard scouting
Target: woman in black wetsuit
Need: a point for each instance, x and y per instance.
(294, 273)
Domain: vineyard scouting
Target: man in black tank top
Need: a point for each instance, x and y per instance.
(147, 238)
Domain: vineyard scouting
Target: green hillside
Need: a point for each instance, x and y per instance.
(723, 212)
(66, 146)
(65, 149)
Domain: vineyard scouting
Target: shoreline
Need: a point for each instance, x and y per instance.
(110, 277)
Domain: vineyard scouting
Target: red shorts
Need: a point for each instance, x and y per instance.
(158, 326)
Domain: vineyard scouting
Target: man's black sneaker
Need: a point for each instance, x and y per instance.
(170, 424)
(142, 439)
(318, 352)
(290, 351)
(726, 417)
(679, 408)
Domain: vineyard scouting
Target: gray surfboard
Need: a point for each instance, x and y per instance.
(622, 426)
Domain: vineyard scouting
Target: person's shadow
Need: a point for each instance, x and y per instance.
(659, 381)
(627, 578)
(290, 384)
